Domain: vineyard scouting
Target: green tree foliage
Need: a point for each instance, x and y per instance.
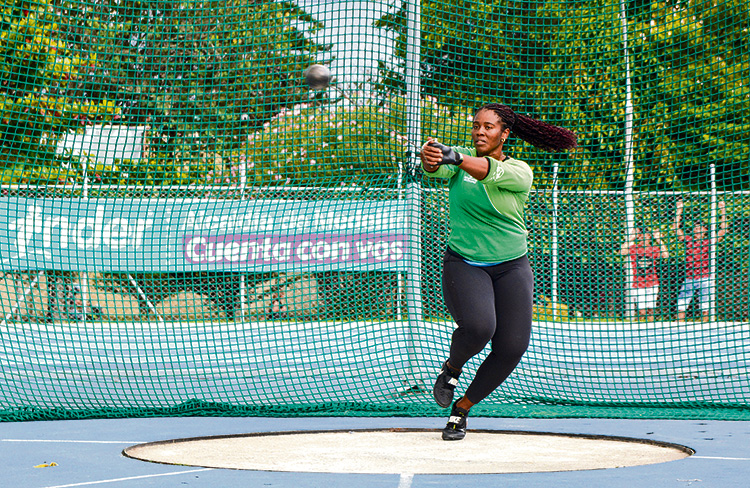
(583, 76)
(474, 53)
(201, 73)
(691, 72)
(690, 62)
(339, 145)
(471, 51)
(564, 62)
(38, 95)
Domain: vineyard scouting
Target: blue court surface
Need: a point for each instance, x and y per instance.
(89, 453)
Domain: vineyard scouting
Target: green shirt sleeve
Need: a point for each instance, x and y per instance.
(448, 171)
(445, 172)
(509, 175)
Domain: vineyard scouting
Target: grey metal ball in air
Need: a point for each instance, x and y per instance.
(317, 76)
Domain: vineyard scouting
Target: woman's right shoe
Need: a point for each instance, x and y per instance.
(455, 429)
(445, 385)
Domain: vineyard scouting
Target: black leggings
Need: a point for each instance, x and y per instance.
(492, 303)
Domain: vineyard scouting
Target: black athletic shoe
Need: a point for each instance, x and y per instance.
(455, 429)
(444, 385)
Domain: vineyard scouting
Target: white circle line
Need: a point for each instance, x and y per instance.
(68, 441)
(115, 480)
(405, 480)
(721, 457)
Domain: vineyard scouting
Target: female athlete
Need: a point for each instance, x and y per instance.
(487, 280)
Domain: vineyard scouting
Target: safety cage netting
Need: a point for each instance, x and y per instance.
(188, 226)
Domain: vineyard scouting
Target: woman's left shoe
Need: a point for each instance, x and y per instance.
(455, 429)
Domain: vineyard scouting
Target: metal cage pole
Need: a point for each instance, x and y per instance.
(713, 247)
(413, 184)
(243, 276)
(554, 245)
(628, 156)
(85, 276)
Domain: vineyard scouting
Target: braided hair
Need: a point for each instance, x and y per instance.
(537, 133)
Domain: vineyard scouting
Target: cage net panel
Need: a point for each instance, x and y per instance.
(189, 227)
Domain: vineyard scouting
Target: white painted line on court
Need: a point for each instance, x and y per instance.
(720, 457)
(72, 441)
(115, 480)
(405, 480)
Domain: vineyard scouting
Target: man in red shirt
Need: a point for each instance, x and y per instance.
(645, 249)
(698, 280)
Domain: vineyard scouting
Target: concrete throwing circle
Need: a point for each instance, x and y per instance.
(413, 451)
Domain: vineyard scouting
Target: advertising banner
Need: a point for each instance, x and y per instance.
(163, 235)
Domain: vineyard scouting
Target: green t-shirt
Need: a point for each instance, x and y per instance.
(487, 216)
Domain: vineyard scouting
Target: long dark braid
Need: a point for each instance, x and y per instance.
(537, 133)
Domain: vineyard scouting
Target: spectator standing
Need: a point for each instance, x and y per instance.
(698, 280)
(645, 250)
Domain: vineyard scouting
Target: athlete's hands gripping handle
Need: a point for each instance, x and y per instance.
(434, 154)
(449, 155)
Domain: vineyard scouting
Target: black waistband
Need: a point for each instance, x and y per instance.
(453, 253)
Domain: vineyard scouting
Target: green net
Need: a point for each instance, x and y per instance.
(188, 228)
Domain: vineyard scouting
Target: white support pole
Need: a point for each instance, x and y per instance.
(554, 251)
(628, 156)
(243, 276)
(85, 275)
(413, 185)
(713, 247)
